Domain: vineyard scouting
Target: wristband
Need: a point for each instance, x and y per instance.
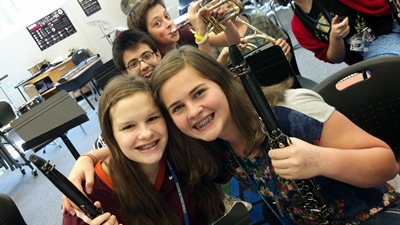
(94, 159)
(200, 39)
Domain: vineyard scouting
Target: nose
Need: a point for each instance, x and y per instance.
(145, 132)
(169, 23)
(194, 110)
(143, 65)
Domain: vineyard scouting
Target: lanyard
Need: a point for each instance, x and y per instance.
(316, 21)
(178, 189)
(281, 217)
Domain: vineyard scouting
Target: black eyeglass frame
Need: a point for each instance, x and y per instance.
(150, 54)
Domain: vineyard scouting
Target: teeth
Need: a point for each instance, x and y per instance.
(205, 122)
(144, 147)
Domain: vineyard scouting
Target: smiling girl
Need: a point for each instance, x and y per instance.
(350, 166)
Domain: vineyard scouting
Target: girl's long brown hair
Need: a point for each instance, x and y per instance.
(242, 111)
(140, 201)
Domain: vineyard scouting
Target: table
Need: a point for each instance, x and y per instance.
(50, 120)
(54, 73)
(80, 79)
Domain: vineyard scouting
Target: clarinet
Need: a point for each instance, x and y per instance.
(66, 187)
(394, 6)
(315, 205)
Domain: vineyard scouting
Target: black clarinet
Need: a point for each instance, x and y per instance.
(395, 8)
(315, 204)
(66, 187)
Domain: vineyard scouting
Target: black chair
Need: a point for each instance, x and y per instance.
(79, 56)
(373, 103)
(293, 62)
(9, 212)
(7, 115)
(270, 66)
(103, 73)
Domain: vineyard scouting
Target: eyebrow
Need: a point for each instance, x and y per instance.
(165, 12)
(190, 93)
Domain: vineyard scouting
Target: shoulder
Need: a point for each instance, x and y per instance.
(258, 17)
(307, 102)
(186, 37)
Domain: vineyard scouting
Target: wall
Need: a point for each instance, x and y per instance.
(19, 51)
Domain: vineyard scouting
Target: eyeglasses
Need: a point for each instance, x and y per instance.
(146, 57)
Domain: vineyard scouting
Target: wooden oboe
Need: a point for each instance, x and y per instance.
(315, 205)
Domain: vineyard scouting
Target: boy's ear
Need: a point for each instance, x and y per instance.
(125, 72)
(158, 54)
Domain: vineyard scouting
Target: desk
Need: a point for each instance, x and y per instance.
(50, 120)
(80, 79)
(54, 73)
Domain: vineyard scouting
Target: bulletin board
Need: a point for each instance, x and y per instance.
(51, 29)
(90, 6)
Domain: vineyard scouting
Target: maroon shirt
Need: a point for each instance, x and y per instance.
(103, 192)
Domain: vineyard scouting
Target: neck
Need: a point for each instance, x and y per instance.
(304, 5)
(166, 48)
(151, 171)
(234, 138)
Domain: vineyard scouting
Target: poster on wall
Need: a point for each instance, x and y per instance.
(51, 29)
(90, 6)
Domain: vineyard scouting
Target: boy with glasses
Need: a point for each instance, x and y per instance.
(135, 53)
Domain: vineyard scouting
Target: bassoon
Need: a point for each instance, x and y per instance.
(66, 187)
(308, 189)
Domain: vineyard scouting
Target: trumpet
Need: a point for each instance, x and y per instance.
(215, 24)
(258, 34)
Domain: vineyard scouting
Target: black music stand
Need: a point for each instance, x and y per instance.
(50, 120)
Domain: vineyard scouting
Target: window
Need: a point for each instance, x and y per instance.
(17, 14)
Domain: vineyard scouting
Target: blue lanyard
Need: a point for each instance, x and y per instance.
(282, 217)
(178, 189)
(316, 21)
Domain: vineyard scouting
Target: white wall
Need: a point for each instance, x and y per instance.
(18, 52)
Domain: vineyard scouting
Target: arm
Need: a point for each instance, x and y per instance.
(308, 41)
(230, 35)
(224, 55)
(83, 170)
(345, 153)
(285, 48)
(196, 20)
(337, 49)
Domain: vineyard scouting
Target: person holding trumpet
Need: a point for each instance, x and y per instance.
(261, 22)
(152, 17)
(257, 29)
